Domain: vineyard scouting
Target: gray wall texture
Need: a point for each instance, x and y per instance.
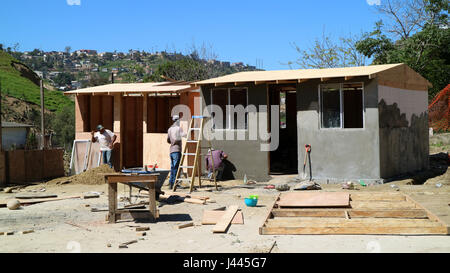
(404, 138)
(338, 154)
(245, 155)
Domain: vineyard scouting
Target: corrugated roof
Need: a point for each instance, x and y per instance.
(7, 124)
(301, 74)
(151, 87)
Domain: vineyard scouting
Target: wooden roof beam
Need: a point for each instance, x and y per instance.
(241, 83)
(285, 81)
(372, 76)
(324, 79)
(302, 80)
(347, 78)
(217, 84)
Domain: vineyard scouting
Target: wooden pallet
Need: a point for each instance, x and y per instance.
(368, 213)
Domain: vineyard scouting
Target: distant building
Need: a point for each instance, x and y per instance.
(40, 74)
(240, 64)
(226, 64)
(14, 135)
(86, 51)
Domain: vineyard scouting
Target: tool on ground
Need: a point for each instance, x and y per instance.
(307, 151)
(195, 136)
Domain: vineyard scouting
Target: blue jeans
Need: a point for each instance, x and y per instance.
(107, 158)
(174, 163)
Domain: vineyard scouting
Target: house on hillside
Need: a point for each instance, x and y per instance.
(367, 123)
(14, 135)
(138, 113)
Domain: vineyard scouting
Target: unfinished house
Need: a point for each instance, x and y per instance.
(363, 123)
(139, 114)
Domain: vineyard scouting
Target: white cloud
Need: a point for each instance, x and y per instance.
(374, 2)
(74, 2)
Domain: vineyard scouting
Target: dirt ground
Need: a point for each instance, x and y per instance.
(50, 222)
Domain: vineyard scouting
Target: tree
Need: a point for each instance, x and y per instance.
(64, 79)
(63, 126)
(406, 17)
(327, 53)
(426, 51)
(181, 70)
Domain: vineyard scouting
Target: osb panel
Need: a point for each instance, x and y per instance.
(107, 113)
(34, 165)
(53, 163)
(314, 199)
(16, 166)
(156, 149)
(82, 122)
(403, 77)
(95, 111)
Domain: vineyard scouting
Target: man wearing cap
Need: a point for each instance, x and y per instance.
(106, 138)
(174, 135)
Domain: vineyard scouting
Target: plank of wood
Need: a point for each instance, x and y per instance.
(342, 222)
(353, 230)
(35, 196)
(211, 217)
(269, 214)
(190, 224)
(382, 205)
(226, 219)
(125, 245)
(36, 201)
(366, 196)
(353, 213)
(314, 199)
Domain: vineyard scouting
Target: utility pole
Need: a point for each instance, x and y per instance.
(42, 116)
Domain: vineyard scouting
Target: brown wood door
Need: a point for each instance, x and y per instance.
(132, 132)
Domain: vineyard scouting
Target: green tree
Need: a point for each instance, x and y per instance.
(426, 51)
(63, 127)
(181, 70)
(64, 79)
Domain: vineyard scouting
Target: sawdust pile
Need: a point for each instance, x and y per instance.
(90, 177)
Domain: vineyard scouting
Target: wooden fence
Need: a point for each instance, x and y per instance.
(27, 166)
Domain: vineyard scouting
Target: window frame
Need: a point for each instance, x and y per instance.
(228, 117)
(341, 102)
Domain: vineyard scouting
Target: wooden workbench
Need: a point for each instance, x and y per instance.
(113, 178)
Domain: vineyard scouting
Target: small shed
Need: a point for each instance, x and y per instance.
(363, 123)
(138, 113)
(14, 135)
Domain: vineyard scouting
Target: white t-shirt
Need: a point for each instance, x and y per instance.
(104, 139)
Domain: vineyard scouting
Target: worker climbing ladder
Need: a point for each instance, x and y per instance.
(195, 141)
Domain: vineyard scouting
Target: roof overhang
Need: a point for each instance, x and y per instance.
(304, 75)
(160, 88)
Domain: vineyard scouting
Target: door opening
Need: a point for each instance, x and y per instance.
(284, 160)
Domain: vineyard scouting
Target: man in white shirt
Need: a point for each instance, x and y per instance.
(106, 138)
(174, 135)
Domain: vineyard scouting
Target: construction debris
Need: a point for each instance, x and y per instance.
(126, 244)
(78, 226)
(190, 224)
(282, 187)
(140, 234)
(211, 217)
(307, 185)
(91, 195)
(142, 228)
(225, 220)
(35, 201)
(27, 231)
(35, 196)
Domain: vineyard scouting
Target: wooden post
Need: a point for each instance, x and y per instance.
(1, 128)
(42, 116)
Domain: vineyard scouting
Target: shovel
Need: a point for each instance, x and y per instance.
(307, 150)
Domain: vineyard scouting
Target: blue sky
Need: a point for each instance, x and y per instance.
(244, 30)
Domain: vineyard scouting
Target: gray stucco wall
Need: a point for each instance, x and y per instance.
(404, 137)
(246, 155)
(339, 154)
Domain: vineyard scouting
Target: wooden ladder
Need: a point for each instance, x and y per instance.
(195, 136)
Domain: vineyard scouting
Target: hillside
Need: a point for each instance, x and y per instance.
(20, 82)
